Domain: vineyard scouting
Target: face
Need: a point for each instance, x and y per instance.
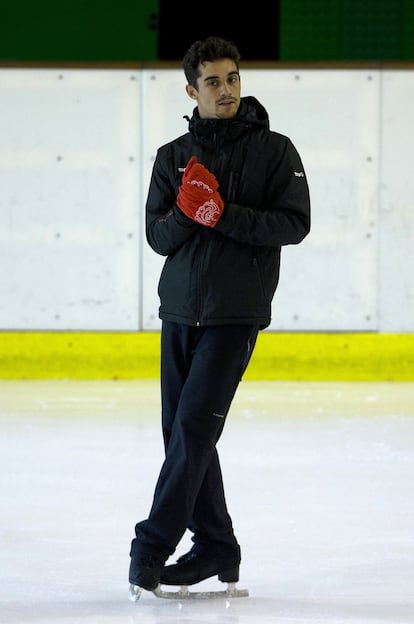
(218, 90)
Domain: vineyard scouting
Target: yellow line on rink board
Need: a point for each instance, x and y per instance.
(278, 356)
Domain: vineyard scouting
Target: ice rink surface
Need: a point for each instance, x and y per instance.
(319, 480)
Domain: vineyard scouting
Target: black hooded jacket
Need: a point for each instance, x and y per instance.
(227, 274)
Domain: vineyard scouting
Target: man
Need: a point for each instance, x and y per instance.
(223, 199)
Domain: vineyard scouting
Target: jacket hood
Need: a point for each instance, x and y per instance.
(257, 109)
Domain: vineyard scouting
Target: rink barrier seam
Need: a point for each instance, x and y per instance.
(278, 356)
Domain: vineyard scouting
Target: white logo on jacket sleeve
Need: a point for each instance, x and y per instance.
(299, 174)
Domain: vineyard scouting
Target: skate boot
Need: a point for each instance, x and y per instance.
(144, 569)
(203, 562)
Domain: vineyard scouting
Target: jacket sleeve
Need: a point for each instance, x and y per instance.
(283, 216)
(167, 228)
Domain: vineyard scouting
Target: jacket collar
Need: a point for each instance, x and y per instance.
(251, 115)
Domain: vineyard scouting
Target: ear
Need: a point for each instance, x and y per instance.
(191, 92)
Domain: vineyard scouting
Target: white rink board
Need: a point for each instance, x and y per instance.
(396, 258)
(76, 156)
(69, 211)
(328, 281)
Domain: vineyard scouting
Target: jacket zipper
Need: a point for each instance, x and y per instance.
(203, 244)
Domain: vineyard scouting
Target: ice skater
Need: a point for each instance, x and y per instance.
(224, 198)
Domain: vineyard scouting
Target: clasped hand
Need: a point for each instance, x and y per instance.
(198, 196)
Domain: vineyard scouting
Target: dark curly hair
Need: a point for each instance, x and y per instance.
(211, 49)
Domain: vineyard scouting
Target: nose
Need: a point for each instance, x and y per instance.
(225, 88)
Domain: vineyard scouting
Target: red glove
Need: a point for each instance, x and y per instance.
(198, 197)
(198, 175)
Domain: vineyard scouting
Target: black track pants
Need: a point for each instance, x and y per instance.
(201, 368)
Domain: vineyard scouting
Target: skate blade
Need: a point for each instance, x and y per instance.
(185, 594)
(134, 593)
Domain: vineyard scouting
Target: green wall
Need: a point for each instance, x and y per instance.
(126, 30)
(78, 30)
(346, 30)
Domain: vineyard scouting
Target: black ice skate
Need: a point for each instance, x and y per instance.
(144, 571)
(199, 564)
